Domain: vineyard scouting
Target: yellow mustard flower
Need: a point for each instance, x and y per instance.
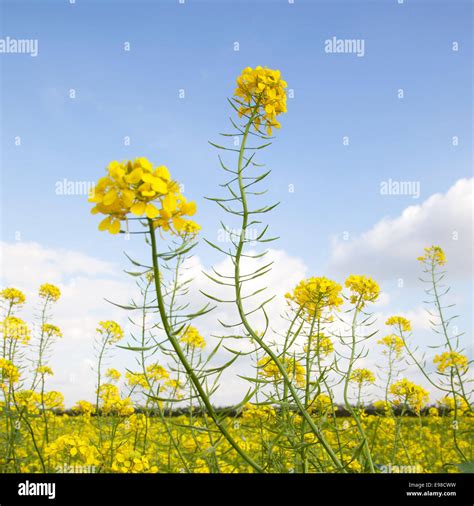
(321, 344)
(113, 374)
(84, 407)
(9, 371)
(112, 402)
(393, 344)
(361, 376)
(400, 322)
(363, 288)
(407, 393)
(157, 372)
(434, 255)
(13, 296)
(51, 330)
(321, 403)
(447, 404)
(44, 369)
(112, 331)
(261, 94)
(136, 379)
(16, 329)
(193, 338)
(293, 368)
(451, 360)
(49, 292)
(138, 188)
(314, 295)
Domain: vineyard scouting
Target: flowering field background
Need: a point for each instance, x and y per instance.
(254, 362)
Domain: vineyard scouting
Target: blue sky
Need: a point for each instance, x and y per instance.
(190, 46)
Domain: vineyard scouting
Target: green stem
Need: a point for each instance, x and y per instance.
(177, 348)
(242, 314)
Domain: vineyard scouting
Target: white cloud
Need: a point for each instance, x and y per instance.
(390, 248)
(85, 282)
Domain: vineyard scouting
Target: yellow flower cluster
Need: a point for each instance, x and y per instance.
(64, 447)
(112, 374)
(125, 462)
(447, 403)
(44, 369)
(112, 402)
(15, 328)
(451, 360)
(361, 376)
(193, 338)
(321, 344)
(137, 187)
(28, 401)
(112, 331)
(50, 292)
(253, 412)
(53, 400)
(400, 322)
(314, 295)
(51, 330)
(9, 371)
(135, 379)
(393, 343)
(157, 372)
(261, 95)
(434, 255)
(13, 296)
(409, 394)
(364, 289)
(382, 406)
(154, 373)
(321, 403)
(84, 407)
(294, 369)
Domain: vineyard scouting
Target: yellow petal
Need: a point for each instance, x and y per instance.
(189, 208)
(138, 209)
(127, 197)
(163, 172)
(178, 223)
(115, 227)
(134, 176)
(152, 211)
(169, 203)
(109, 198)
(159, 186)
(105, 224)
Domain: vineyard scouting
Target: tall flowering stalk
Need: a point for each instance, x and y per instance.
(363, 290)
(259, 98)
(452, 365)
(154, 199)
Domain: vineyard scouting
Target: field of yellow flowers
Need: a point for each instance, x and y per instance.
(305, 409)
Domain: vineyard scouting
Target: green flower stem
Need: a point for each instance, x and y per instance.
(346, 388)
(253, 334)
(445, 332)
(182, 357)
